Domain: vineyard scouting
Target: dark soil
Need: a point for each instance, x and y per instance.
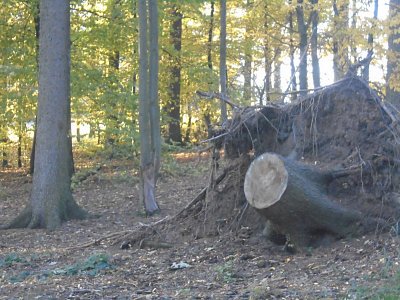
(343, 126)
(233, 263)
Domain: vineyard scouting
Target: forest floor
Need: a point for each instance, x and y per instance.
(79, 261)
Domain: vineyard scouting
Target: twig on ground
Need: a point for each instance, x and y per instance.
(99, 240)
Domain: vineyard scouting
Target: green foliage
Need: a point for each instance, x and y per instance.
(104, 61)
(225, 272)
(12, 259)
(92, 266)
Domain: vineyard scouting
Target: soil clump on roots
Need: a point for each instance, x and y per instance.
(345, 126)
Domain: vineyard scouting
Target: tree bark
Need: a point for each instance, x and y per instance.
(393, 56)
(365, 71)
(36, 19)
(303, 45)
(149, 120)
(209, 46)
(314, 44)
(248, 59)
(293, 81)
(293, 197)
(222, 60)
(51, 200)
(267, 58)
(340, 45)
(173, 107)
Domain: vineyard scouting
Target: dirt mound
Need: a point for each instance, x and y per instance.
(342, 126)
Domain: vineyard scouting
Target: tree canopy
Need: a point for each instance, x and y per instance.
(261, 38)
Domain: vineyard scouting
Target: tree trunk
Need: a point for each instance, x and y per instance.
(148, 106)
(340, 45)
(4, 162)
(393, 56)
(19, 151)
(314, 45)
(209, 46)
(51, 200)
(293, 81)
(36, 19)
(293, 198)
(248, 59)
(277, 70)
(222, 60)
(267, 58)
(303, 45)
(112, 122)
(365, 72)
(78, 131)
(173, 107)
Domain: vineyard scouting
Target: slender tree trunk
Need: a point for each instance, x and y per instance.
(19, 151)
(314, 44)
(277, 70)
(78, 131)
(112, 122)
(51, 200)
(365, 72)
(248, 58)
(393, 56)
(189, 128)
(149, 114)
(4, 162)
(173, 107)
(340, 44)
(222, 62)
(267, 58)
(153, 87)
(209, 45)
(354, 16)
(36, 19)
(135, 58)
(303, 45)
(292, 49)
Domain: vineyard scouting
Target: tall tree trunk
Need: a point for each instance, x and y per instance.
(153, 86)
(51, 200)
(4, 162)
(303, 45)
(36, 19)
(222, 60)
(267, 58)
(209, 45)
(19, 151)
(340, 44)
(365, 72)
(135, 58)
(393, 56)
(173, 107)
(314, 44)
(248, 58)
(148, 106)
(292, 49)
(78, 131)
(277, 70)
(112, 122)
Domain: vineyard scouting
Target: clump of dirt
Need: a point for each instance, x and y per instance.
(342, 126)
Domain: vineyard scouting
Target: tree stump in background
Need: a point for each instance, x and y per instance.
(293, 198)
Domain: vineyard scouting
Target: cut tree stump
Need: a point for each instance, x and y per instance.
(292, 197)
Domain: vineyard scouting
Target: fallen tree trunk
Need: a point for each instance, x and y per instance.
(293, 198)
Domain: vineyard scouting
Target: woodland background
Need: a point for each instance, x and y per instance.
(273, 47)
